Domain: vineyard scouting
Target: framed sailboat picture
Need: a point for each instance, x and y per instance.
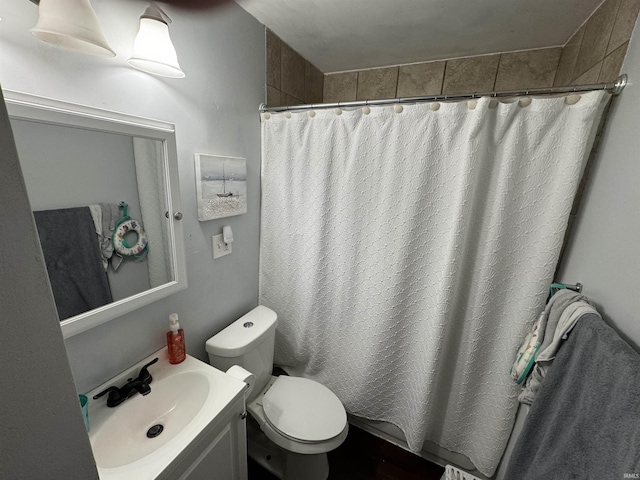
(221, 184)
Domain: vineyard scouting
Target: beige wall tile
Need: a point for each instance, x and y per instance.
(288, 100)
(612, 64)
(567, 63)
(596, 37)
(420, 79)
(273, 97)
(273, 59)
(313, 84)
(469, 75)
(625, 21)
(530, 69)
(377, 83)
(292, 75)
(340, 87)
(590, 76)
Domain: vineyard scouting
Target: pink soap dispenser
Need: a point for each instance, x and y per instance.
(175, 341)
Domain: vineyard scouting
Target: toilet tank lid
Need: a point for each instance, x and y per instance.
(243, 334)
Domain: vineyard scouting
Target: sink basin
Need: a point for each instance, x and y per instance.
(172, 404)
(142, 436)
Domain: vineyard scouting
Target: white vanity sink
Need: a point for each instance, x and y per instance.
(187, 400)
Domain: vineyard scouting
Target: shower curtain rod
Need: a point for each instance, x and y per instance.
(613, 88)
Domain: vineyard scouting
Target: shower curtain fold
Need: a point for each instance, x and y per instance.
(407, 253)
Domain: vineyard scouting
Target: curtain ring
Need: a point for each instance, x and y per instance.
(572, 99)
(524, 102)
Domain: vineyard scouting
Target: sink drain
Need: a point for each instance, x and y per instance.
(154, 431)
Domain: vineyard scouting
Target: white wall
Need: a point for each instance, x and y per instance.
(602, 252)
(215, 110)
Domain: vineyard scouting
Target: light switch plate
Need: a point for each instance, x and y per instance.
(220, 249)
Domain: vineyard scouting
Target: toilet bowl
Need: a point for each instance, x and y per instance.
(300, 415)
(294, 421)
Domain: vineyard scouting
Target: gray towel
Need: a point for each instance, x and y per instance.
(73, 260)
(550, 331)
(585, 421)
(110, 215)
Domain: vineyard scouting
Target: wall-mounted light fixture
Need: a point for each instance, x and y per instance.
(153, 50)
(71, 24)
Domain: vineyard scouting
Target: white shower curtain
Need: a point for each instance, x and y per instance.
(406, 252)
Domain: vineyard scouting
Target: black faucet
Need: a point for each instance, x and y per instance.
(133, 385)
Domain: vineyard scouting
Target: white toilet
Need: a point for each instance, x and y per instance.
(293, 422)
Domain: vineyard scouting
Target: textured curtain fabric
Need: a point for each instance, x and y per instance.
(407, 253)
(151, 180)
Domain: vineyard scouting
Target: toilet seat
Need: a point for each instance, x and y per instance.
(303, 410)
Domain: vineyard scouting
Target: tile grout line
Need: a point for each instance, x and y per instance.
(444, 74)
(613, 27)
(495, 78)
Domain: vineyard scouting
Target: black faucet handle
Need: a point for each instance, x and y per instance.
(104, 392)
(115, 396)
(144, 375)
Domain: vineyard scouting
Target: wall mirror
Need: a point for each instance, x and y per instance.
(86, 171)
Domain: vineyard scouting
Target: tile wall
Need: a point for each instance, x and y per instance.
(596, 51)
(594, 54)
(291, 79)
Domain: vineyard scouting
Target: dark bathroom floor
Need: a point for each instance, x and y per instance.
(365, 457)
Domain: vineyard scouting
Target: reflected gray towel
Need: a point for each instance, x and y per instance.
(73, 260)
(105, 216)
(585, 421)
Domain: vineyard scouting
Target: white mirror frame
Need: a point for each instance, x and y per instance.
(22, 106)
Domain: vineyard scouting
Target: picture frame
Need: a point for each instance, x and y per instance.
(221, 186)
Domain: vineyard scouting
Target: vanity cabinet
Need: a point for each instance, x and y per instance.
(202, 414)
(218, 453)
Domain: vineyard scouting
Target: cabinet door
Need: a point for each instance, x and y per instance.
(216, 462)
(225, 458)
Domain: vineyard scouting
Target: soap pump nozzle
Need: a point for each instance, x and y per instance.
(173, 322)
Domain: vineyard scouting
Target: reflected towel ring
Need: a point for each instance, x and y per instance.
(125, 225)
(122, 246)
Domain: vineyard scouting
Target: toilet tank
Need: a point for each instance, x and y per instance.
(247, 342)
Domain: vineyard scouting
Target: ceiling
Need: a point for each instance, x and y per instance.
(342, 35)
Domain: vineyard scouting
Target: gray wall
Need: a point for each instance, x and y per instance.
(602, 252)
(601, 248)
(43, 434)
(215, 110)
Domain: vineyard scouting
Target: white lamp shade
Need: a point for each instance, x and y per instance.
(153, 51)
(71, 24)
